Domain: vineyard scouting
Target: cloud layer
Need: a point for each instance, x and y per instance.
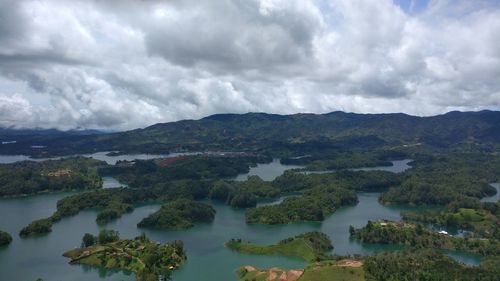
(130, 63)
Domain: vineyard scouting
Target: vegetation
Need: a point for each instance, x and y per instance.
(446, 178)
(369, 181)
(113, 210)
(29, 177)
(147, 259)
(388, 232)
(314, 205)
(243, 194)
(483, 219)
(426, 264)
(117, 201)
(336, 160)
(298, 134)
(341, 270)
(5, 238)
(179, 214)
(310, 246)
(37, 227)
(147, 173)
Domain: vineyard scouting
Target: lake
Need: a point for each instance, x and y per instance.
(267, 171)
(110, 159)
(208, 259)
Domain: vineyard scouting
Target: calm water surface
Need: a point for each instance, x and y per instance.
(7, 159)
(208, 259)
(495, 197)
(268, 171)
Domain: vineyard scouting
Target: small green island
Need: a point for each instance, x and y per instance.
(5, 238)
(149, 260)
(180, 214)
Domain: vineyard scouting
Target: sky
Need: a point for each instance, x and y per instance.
(124, 64)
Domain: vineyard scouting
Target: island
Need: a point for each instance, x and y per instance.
(5, 238)
(30, 177)
(310, 246)
(314, 205)
(180, 214)
(416, 235)
(149, 260)
(479, 219)
(439, 179)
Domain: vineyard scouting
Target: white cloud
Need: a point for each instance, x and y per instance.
(126, 64)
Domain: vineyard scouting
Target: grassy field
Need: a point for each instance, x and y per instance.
(296, 248)
(310, 246)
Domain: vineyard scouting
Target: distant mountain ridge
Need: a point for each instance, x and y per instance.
(258, 131)
(46, 132)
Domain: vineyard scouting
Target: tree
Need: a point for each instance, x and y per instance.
(108, 236)
(352, 230)
(88, 240)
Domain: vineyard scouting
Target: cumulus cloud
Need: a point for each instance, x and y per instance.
(130, 63)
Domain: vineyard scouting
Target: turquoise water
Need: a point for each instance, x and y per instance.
(208, 259)
(495, 197)
(268, 171)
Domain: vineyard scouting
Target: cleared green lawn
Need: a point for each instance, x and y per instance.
(296, 248)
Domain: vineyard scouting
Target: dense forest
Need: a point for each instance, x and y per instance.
(388, 232)
(425, 264)
(441, 179)
(29, 177)
(5, 238)
(180, 214)
(369, 181)
(147, 173)
(243, 194)
(314, 205)
(482, 219)
(298, 134)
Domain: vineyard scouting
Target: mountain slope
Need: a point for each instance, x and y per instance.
(257, 131)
